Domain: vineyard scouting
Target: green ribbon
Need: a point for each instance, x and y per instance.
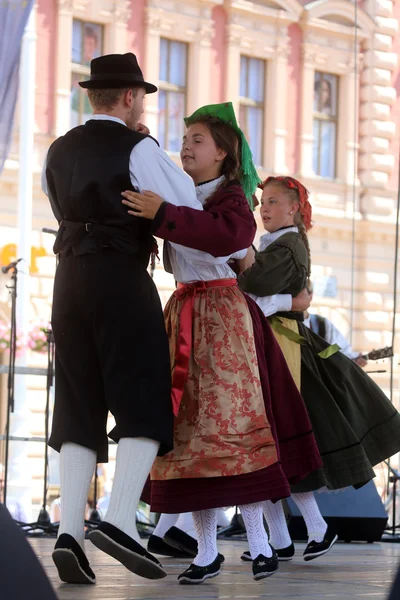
(329, 351)
(291, 335)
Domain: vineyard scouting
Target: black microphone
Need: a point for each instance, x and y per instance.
(10, 266)
(46, 230)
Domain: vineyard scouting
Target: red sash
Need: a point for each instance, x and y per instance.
(186, 293)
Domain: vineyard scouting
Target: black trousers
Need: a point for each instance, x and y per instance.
(111, 353)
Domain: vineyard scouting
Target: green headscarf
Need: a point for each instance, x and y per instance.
(225, 112)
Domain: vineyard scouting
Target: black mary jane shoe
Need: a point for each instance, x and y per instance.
(195, 574)
(127, 551)
(283, 554)
(184, 542)
(265, 567)
(71, 562)
(156, 545)
(316, 549)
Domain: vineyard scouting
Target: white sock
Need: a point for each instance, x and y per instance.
(135, 457)
(186, 523)
(223, 519)
(165, 522)
(256, 535)
(315, 523)
(279, 536)
(205, 522)
(77, 465)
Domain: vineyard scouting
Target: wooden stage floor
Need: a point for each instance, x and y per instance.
(349, 571)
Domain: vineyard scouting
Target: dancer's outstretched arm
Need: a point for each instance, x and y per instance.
(224, 228)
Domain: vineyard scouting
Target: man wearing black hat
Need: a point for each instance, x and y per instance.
(111, 345)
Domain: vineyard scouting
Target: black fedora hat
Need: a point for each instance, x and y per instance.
(116, 71)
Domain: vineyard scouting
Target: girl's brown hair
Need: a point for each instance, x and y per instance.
(225, 138)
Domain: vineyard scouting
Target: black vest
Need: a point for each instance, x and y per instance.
(87, 169)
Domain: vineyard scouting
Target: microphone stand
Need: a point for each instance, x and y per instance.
(43, 522)
(11, 371)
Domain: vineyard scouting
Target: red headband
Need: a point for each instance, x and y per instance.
(293, 184)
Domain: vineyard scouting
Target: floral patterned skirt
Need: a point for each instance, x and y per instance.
(221, 428)
(224, 449)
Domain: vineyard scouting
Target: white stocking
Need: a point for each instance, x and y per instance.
(186, 523)
(256, 535)
(279, 536)
(205, 522)
(315, 523)
(135, 457)
(165, 522)
(77, 465)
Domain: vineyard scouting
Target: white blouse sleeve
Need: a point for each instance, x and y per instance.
(152, 169)
(273, 304)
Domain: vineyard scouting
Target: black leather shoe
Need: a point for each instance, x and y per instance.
(316, 549)
(184, 542)
(71, 562)
(123, 548)
(195, 575)
(265, 567)
(157, 545)
(284, 554)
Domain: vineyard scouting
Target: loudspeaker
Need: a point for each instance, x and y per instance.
(356, 515)
(395, 593)
(21, 574)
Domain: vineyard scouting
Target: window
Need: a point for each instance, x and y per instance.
(172, 94)
(326, 89)
(251, 113)
(87, 43)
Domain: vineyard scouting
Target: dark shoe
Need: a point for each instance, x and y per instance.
(196, 575)
(316, 549)
(181, 541)
(265, 567)
(184, 542)
(156, 545)
(284, 554)
(71, 561)
(123, 548)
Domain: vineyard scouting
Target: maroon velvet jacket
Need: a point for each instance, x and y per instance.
(225, 226)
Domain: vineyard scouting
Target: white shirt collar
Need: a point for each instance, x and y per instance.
(205, 190)
(99, 117)
(269, 238)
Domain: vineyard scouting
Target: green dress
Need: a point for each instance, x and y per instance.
(355, 424)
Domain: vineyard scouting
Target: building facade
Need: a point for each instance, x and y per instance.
(316, 86)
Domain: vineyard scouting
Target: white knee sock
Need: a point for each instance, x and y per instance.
(135, 457)
(77, 465)
(186, 523)
(256, 535)
(165, 522)
(315, 523)
(223, 519)
(205, 522)
(279, 536)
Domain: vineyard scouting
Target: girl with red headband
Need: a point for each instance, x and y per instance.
(233, 444)
(355, 424)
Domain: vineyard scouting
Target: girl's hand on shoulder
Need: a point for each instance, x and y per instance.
(302, 301)
(144, 205)
(141, 128)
